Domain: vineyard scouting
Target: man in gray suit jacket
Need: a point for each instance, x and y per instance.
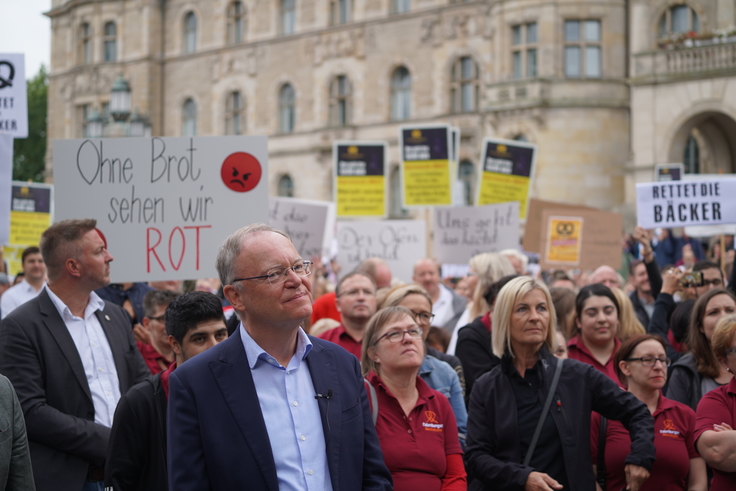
(15, 461)
(70, 356)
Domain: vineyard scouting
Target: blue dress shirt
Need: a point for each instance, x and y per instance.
(291, 413)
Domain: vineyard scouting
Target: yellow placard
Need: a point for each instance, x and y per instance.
(500, 188)
(361, 195)
(427, 182)
(26, 227)
(564, 240)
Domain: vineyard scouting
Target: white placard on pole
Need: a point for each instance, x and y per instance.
(400, 243)
(13, 96)
(309, 223)
(163, 204)
(461, 232)
(684, 203)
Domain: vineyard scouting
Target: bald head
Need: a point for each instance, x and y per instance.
(377, 269)
(607, 276)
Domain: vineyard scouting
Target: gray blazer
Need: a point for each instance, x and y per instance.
(15, 460)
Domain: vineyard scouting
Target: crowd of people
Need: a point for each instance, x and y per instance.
(279, 375)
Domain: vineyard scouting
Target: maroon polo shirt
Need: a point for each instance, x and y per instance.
(577, 350)
(716, 407)
(674, 439)
(340, 336)
(151, 357)
(415, 447)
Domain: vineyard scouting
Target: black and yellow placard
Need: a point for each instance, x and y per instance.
(360, 178)
(564, 240)
(30, 216)
(506, 173)
(426, 173)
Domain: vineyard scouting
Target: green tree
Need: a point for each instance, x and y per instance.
(29, 153)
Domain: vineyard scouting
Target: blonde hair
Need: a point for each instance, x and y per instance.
(491, 267)
(628, 321)
(723, 335)
(399, 293)
(508, 297)
(370, 338)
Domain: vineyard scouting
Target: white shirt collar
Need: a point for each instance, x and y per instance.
(94, 304)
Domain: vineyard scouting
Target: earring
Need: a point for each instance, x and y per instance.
(377, 360)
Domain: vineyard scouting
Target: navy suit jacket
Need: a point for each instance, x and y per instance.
(217, 438)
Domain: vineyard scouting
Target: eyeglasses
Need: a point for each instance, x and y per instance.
(279, 275)
(715, 282)
(424, 318)
(649, 361)
(398, 336)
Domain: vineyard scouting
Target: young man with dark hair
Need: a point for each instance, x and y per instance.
(158, 353)
(712, 277)
(137, 452)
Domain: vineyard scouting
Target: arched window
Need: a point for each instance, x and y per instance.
(111, 42)
(85, 43)
(678, 19)
(286, 186)
(466, 176)
(691, 158)
(401, 94)
(234, 114)
(190, 33)
(287, 113)
(464, 87)
(236, 23)
(340, 101)
(189, 118)
(288, 16)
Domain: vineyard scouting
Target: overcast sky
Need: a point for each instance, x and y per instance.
(24, 29)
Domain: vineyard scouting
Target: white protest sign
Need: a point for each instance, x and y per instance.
(682, 203)
(163, 204)
(707, 230)
(6, 178)
(310, 224)
(461, 232)
(13, 96)
(398, 242)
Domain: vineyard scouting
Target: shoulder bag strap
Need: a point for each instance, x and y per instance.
(545, 410)
(600, 475)
(373, 399)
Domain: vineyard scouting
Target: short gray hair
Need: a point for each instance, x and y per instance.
(231, 247)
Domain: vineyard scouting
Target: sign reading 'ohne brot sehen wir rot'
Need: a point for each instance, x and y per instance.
(683, 203)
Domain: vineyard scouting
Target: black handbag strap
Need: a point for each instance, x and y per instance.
(600, 472)
(545, 410)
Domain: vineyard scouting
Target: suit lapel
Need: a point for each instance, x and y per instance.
(323, 370)
(233, 376)
(115, 344)
(55, 324)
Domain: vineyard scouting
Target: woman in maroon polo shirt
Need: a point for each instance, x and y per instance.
(415, 424)
(641, 364)
(716, 416)
(597, 318)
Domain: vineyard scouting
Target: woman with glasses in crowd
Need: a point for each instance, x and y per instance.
(415, 423)
(699, 371)
(641, 364)
(437, 368)
(716, 415)
(506, 406)
(597, 317)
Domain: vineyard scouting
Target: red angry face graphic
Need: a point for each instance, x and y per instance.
(240, 172)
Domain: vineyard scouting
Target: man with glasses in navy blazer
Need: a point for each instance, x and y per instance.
(271, 408)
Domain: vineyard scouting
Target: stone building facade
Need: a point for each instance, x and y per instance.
(583, 79)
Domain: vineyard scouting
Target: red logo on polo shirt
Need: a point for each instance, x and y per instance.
(432, 424)
(669, 429)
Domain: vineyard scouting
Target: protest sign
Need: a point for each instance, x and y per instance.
(564, 240)
(30, 215)
(683, 203)
(506, 172)
(360, 178)
(707, 230)
(13, 97)
(426, 174)
(398, 242)
(600, 234)
(164, 204)
(6, 176)
(461, 232)
(310, 224)
(668, 172)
